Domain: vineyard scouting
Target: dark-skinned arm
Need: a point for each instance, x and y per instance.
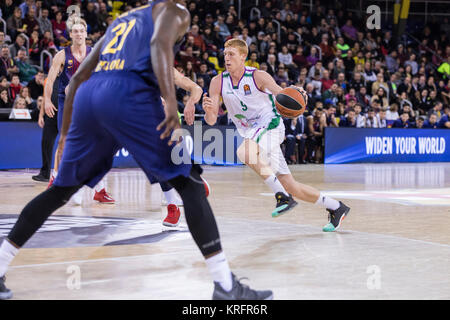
(83, 73)
(170, 24)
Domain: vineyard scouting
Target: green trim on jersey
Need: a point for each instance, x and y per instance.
(275, 121)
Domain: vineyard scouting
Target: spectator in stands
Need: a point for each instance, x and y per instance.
(402, 122)
(14, 87)
(15, 47)
(359, 116)
(371, 120)
(431, 122)
(349, 120)
(44, 22)
(316, 125)
(425, 102)
(419, 123)
(413, 63)
(26, 70)
(20, 103)
(4, 84)
(2, 38)
(7, 9)
(313, 57)
(380, 95)
(35, 48)
(444, 122)
(5, 101)
(295, 134)
(25, 94)
(330, 116)
(189, 72)
(379, 83)
(299, 59)
(223, 31)
(36, 85)
(281, 75)
(15, 24)
(7, 65)
(252, 62)
(59, 28)
(30, 21)
(326, 81)
(369, 75)
(381, 115)
(436, 110)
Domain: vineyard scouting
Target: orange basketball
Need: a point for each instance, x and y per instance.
(291, 102)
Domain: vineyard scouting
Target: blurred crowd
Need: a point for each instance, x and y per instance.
(354, 77)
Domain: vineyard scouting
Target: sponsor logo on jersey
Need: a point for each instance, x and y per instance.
(247, 90)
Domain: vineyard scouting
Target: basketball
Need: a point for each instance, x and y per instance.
(291, 102)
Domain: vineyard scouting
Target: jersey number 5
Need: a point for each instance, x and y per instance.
(121, 31)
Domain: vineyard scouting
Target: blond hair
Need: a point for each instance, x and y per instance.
(239, 44)
(73, 20)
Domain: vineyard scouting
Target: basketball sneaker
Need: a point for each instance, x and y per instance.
(284, 204)
(40, 178)
(103, 197)
(5, 293)
(335, 217)
(173, 216)
(240, 291)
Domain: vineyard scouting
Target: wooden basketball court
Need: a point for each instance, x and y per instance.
(395, 243)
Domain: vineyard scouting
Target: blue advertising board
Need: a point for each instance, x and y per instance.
(347, 145)
(20, 146)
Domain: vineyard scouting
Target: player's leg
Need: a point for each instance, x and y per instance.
(203, 227)
(136, 131)
(252, 154)
(59, 119)
(88, 156)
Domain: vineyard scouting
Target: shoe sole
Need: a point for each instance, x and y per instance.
(38, 180)
(170, 225)
(276, 214)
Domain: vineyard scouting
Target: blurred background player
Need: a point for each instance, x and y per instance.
(70, 59)
(248, 95)
(136, 67)
(171, 196)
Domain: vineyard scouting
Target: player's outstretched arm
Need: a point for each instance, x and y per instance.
(171, 23)
(57, 62)
(211, 103)
(195, 94)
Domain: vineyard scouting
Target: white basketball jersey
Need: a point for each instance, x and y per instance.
(250, 109)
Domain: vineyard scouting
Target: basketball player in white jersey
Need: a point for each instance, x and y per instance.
(249, 96)
(68, 60)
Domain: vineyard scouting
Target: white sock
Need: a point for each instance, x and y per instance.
(54, 173)
(100, 185)
(172, 197)
(7, 254)
(274, 184)
(327, 202)
(220, 270)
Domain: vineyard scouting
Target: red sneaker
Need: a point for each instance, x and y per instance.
(173, 216)
(207, 187)
(103, 197)
(50, 182)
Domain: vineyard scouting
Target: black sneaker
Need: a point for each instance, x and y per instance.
(284, 204)
(240, 291)
(335, 217)
(5, 293)
(40, 178)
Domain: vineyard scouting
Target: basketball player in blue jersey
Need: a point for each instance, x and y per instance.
(118, 104)
(69, 59)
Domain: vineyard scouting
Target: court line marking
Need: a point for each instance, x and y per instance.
(346, 230)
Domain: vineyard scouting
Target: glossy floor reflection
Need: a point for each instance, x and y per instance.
(395, 244)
